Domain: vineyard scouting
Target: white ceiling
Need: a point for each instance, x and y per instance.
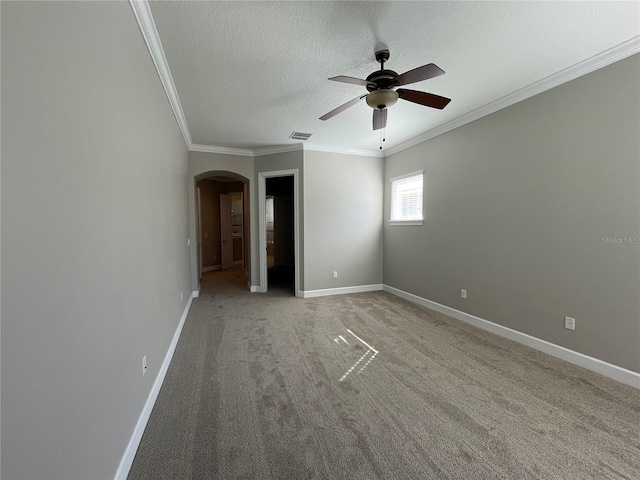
(250, 73)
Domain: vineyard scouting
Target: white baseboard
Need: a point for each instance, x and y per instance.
(614, 372)
(212, 268)
(134, 441)
(340, 290)
(253, 288)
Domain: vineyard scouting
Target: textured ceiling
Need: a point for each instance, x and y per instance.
(250, 73)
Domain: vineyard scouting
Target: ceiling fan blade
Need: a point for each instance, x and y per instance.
(341, 108)
(353, 80)
(423, 98)
(418, 74)
(379, 118)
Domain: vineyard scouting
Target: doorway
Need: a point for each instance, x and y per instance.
(222, 241)
(279, 231)
(280, 242)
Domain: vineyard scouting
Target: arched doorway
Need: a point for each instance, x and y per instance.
(222, 236)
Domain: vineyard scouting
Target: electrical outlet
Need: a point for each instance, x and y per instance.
(463, 293)
(144, 365)
(570, 323)
(188, 242)
(335, 274)
(181, 296)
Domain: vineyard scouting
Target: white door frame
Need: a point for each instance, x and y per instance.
(199, 208)
(262, 225)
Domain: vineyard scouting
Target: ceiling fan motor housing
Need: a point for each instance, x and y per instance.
(381, 79)
(380, 83)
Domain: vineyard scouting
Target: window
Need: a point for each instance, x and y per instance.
(406, 199)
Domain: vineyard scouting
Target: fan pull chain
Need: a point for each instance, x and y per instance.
(382, 136)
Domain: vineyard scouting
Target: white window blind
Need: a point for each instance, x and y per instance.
(406, 199)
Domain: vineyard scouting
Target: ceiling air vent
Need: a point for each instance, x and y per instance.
(300, 136)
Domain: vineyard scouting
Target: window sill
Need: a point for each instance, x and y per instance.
(405, 222)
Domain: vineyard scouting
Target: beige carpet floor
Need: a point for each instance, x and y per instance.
(268, 386)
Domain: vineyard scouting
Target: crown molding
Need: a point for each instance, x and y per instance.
(246, 152)
(258, 152)
(277, 149)
(222, 150)
(147, 26)
(589, 65)
(345, 151)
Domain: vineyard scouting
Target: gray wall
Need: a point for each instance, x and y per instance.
(203, 164)
(343, 220)
(516, 207)
(94, 235)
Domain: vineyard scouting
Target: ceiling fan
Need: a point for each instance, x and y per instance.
(382, 85)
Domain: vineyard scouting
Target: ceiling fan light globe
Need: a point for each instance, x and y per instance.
(383, 98)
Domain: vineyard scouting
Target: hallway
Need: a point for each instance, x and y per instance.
(232, 281)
